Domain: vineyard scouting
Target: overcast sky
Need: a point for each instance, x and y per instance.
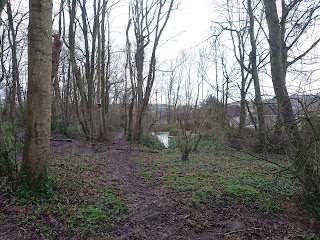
(187, 26)
(192, 20)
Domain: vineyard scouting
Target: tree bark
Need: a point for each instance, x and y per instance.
(57, 101)
(2, 5)
(37, 138)
(105, 64)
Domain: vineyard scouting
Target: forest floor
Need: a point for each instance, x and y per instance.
(123, 191)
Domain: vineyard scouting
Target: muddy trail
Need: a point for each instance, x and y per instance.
(151, 212)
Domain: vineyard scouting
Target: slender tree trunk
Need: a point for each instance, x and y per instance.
(81, 102)
(255, 76)
(243, 113)
(2, 143)
(66, 99)
(104, 67)
(133, 92)
(15, 66)
(37, 138)
(56, 103)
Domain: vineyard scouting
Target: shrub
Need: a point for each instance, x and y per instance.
(186, 143)
(6, 155)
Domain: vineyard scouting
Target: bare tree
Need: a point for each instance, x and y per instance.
(236, 24)
(89, 54)
(78, 89)
(173, 84)
(279, 65)
(105, 65)
(190, 122)
(240, 23)
(149, 21)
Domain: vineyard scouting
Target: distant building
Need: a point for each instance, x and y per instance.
(302, 104)
(233, 114)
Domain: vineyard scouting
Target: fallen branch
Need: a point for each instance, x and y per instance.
(61, 139)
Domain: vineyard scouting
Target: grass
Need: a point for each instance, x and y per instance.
(83, 204)
(222, 171)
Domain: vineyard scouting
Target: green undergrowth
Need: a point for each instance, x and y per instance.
(211, 174)
(83, 204)
(265, 190)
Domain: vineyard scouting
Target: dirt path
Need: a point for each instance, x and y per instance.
(151, 211)
(155, 214)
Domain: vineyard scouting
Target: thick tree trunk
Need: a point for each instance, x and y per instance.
(138, 130)
(2, 5)
(304, 166)
(139, 57)
(37, 138)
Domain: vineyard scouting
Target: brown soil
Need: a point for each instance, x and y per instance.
(153, 213)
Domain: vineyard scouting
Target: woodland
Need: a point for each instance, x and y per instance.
(102, 136)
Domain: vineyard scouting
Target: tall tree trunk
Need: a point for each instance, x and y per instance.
(2, 143)
(255, 77)
(139, 63)
(305, 167)
(99, 79)
(105, 65)
(66, 98)
(16, 89)
(90, 60)
(2, 5)
(57, 101)
(80, 103)
(57, 106)
(37, 138)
